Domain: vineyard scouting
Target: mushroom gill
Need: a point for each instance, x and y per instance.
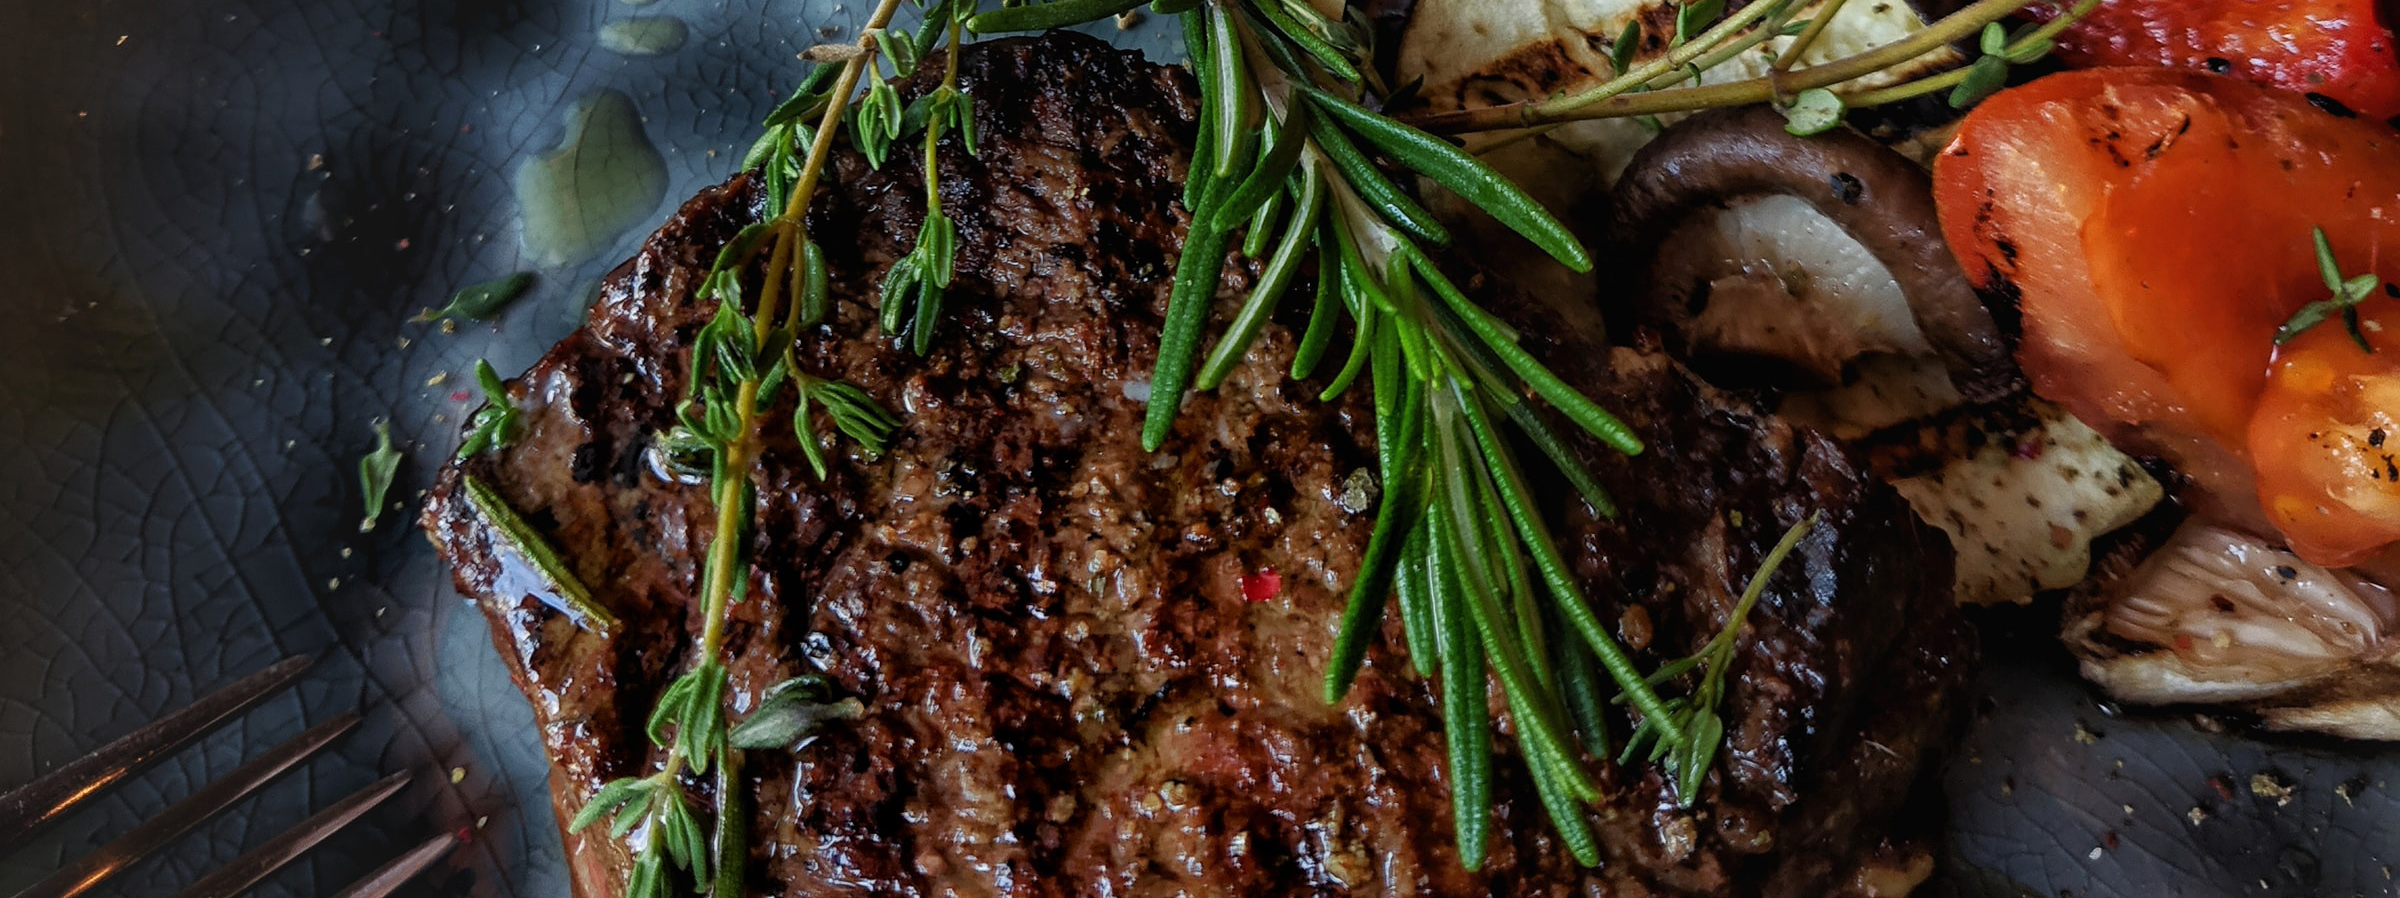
(2216, 615)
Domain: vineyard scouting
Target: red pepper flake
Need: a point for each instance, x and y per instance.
(460, 395)
(2183, 642)
(2224, 789)
(1261, 586)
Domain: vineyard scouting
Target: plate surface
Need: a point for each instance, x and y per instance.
(221, 216)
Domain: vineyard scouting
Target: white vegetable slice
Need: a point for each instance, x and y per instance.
(2023, 507)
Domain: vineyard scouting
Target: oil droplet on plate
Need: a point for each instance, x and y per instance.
(644, 35)
(602, 180)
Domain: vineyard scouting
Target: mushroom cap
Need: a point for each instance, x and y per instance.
(1878, 197)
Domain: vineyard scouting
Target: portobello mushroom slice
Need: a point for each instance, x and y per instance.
(1814, 267)
(1696, 205)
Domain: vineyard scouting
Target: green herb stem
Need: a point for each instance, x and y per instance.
(1817, 23)
(694, 703)
(1599, 103)
(2038, 37)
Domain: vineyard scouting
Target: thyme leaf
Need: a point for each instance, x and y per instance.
(483, 301)
(495, 425)
(1815, 111)
(793, 710)
(375, 472)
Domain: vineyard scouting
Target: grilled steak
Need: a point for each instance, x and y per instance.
(1088, 670)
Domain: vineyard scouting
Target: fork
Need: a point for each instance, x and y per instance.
(38, 803)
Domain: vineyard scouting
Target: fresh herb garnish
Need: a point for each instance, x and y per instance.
(741, 362)
(793, 710)
(495, 425)
(480, 302)
(528, 543)
(1651, 88)
(913, 286)
(1697, 711)
(2348, 292)
(375, 472)
(854, 413)
(1286, 125)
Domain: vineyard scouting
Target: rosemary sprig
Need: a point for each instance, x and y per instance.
(575, 598)
(1458, 535)
(741, 360)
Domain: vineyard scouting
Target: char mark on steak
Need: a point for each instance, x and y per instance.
(1067, 689)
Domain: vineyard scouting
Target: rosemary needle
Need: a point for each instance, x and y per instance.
(574, 597)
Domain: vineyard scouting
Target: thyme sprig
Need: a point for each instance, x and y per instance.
(1643, 90)
(2347, 292)
(2001, 51)
(1696, 712)
(914, 285)
(741, 361)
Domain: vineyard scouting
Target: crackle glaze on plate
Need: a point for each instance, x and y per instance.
(219, 217)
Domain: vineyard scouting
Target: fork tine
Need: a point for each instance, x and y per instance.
(271, 855)
(390, 876)
(180, 817)
(27, 807)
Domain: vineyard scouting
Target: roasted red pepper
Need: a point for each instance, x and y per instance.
(2341, 49)
(2156, 225)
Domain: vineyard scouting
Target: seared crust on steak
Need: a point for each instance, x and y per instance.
(1068, 691)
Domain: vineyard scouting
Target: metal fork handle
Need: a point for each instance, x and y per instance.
(28, 807)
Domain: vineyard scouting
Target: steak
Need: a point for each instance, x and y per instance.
(1089, 670)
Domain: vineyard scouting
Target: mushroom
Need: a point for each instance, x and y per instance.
(1815, 265)
(2219, 616)
(1800, 255)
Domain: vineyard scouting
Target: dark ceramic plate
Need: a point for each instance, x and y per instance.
(218, 218)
